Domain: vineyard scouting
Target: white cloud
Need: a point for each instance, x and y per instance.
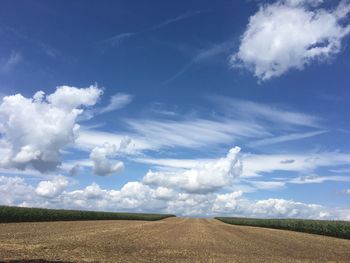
(14, 190)
(70, 98)
(133, 196)
(101, 164)
(234, 204)
(138, 197)
(287, 208)
(203, 178)
(303, 2)
(163, 193)
(35, 130)
(99, 156)
(52, 188)
(291, 34)
(228, 202)
(75, 170)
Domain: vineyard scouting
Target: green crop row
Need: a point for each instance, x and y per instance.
(340, 229)
(22, 214)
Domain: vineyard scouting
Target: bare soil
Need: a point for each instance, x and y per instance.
(169, 240)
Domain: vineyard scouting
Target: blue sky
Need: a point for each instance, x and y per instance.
(189, 107)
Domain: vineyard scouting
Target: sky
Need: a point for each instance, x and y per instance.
(194, 108)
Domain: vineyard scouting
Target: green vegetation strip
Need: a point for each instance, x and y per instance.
(21, 214)
(339, 229)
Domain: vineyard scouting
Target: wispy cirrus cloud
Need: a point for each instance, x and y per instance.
(265, 112)
(202, 56)
(316, 179)
(44, 47)
(116, 102)
(282, 183)
(236, 121)
(194, 132)
(256, 165)
(120, 38)
(155, 134)
(9, 63)
(285, 138)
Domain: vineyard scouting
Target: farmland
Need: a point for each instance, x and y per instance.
(339, 229)
(169, 240)
(22, 214)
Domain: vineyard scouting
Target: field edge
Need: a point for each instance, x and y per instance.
(339, 229)
(13, 214)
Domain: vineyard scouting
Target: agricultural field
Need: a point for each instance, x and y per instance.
(170, 240)
(340, 229)
(22, 214)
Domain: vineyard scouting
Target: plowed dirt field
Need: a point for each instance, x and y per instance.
(169, 240)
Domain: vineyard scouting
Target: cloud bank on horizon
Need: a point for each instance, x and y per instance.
(36, 132)
(201, 144)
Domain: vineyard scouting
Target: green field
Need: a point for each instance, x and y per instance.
(21, 214)
(339, 229)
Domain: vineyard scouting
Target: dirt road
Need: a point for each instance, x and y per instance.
(169, 240)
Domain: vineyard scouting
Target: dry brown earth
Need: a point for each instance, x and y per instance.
(169, 240)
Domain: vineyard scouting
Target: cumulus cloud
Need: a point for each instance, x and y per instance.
(14, 190)
(205, 177)
(291, 34)
(133, 196)
(287, 208)
(35, 130)
(138, 197)
(69, 98)
(75, 170)
(52, 188)
(99, 156)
